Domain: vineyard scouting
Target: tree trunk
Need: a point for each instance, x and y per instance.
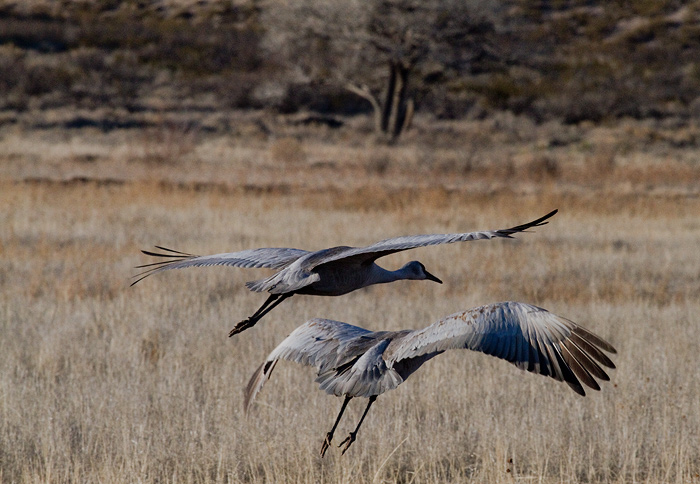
(398, 114)
(396, 104)
(388, 98)
(394, 115)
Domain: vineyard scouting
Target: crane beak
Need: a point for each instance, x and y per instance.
(431, 277)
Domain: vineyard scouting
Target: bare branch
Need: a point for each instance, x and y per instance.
(364, 92)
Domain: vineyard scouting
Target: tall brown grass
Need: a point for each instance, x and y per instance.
(100, 382)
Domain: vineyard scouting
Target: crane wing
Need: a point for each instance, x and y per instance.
(278, 258)
(322, 343)
(398, 244)
(530, 337)
(271, 258)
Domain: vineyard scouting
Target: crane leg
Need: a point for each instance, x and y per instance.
(351, 438)
(269, 304)
(329, 435)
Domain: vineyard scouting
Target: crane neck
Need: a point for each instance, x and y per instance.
(382, 276)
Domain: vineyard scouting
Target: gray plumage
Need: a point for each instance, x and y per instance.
(328, 272)
(355, 362)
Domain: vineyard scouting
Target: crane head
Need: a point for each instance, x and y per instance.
(416, 270)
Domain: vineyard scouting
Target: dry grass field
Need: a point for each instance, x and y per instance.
(100, 382)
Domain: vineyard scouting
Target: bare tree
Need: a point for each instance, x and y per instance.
(373, 47)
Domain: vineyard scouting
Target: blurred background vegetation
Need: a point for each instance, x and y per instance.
(570, 61)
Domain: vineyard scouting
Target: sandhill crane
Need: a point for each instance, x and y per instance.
(355, 362)
(328, 272)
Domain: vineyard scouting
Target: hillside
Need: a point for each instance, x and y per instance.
(571, 61)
